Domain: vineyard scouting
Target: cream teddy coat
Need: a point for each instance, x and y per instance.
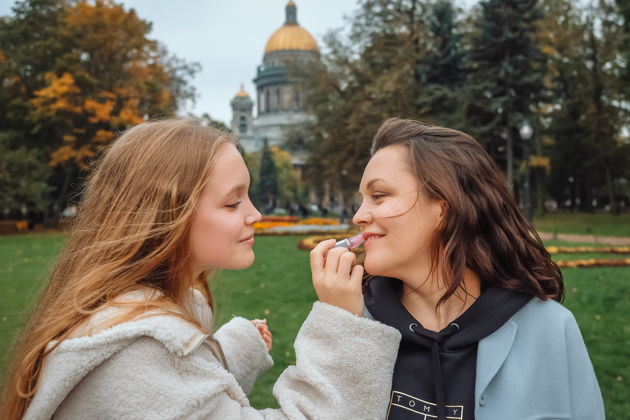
(162, 367)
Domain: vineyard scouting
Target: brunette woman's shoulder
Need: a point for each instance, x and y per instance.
(545, 315)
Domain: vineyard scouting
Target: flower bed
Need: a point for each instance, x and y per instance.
(590, 263)
(322, 221)
(291, 225)
(588, 250)
(263, 225)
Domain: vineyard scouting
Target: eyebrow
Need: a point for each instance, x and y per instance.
(372, 181)
(237, 189)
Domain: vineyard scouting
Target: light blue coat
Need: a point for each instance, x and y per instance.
(536, 367)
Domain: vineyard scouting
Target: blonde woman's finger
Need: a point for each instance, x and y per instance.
(332, 262)
(356, 276)
(317, 255)
(346, 261)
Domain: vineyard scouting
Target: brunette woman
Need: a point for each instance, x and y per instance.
(457, 269)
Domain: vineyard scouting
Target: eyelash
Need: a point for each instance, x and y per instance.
(376, 197)
(235, 205)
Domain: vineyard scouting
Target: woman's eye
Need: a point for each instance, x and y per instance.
(234, 205)
(377, 197)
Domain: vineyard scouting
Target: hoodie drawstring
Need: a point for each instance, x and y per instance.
(439, 381)
(436, 367)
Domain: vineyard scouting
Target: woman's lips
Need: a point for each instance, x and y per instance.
(371, 237)
(249, 240)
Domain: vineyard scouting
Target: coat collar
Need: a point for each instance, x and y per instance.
(75, 357)
(491, 354)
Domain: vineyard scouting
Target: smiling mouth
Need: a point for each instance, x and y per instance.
(249, 238)
(372, 237)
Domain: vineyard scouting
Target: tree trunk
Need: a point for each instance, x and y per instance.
(510, 158)
(602, 124)
(574, 193)
(414, 35)
(539, 173)
(63, 193)
(586, 193)
(610, 184)
(540, 191)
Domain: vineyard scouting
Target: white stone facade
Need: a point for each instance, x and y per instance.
(280, 98)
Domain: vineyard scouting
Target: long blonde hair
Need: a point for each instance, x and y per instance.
(131, 232)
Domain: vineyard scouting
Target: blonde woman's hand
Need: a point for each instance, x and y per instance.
(263, 329)
(336, 278)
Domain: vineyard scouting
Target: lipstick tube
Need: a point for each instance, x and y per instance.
(351, 243)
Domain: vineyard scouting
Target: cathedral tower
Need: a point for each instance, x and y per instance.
(243, 120)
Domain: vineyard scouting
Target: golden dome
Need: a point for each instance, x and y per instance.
(291, 37)
(241, 93)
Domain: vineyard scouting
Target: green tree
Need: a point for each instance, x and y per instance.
(624, 12)
(365, 77)
(555, 64)
(602, 113)
(586, 119)
(507, 75)
(560, 34)
(289, 188)
(29, 48)
(443, 69)
(267, 191)
(23, 176)
(252, 161)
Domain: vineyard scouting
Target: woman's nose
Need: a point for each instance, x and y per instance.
(253, 216)
(362, 217)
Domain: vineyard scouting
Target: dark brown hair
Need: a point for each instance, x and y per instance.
(483, 228)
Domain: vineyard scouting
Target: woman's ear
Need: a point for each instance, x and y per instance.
(440, 210)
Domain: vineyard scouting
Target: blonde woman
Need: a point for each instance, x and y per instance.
(123, 328)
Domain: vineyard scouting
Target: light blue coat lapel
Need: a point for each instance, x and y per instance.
(491, 354)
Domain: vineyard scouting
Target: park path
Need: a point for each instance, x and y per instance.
(569, 237)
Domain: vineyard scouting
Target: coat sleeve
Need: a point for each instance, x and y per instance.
(586, 397)
(343, 370)
(245, 351)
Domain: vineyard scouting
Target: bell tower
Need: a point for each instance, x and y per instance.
(243, 119)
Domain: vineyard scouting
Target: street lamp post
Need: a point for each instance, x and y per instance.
(526, 133)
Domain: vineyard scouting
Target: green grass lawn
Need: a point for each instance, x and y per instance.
(278, 287)
(584, 223)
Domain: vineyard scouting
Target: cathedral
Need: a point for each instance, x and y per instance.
(280, 98)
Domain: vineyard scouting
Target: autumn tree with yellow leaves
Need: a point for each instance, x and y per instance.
(104, 75)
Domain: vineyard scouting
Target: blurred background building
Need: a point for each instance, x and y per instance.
(280, 97)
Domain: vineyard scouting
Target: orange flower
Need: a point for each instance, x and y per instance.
(321, 221)
(269, 225)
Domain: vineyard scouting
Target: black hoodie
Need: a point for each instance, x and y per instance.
(434, 376)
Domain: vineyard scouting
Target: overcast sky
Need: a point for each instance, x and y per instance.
(227, 37)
